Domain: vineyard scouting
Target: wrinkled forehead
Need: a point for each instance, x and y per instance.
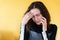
(35, 11)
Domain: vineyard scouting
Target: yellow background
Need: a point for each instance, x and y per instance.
(11, 13)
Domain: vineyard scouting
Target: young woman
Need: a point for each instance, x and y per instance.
(36, 22)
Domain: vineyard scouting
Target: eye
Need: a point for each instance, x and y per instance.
(37, 14)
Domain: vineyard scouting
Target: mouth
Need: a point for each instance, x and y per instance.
(37, 21)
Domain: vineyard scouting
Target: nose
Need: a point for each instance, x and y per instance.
(36, 18)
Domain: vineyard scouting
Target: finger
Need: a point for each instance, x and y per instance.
(43, 21)
(30, 14)
(43, 18)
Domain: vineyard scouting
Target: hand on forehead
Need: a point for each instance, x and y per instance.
(35, 11)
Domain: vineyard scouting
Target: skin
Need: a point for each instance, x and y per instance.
(37, 17)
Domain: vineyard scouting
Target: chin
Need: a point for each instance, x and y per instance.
(38, 23)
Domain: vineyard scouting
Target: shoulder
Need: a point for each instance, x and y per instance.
(53, 27)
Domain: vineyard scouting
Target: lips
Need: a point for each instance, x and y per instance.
(37, 21)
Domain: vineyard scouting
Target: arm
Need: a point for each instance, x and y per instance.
(25, 20)
(44, 23)
(22, 32)
(53, 35)
(44, 35)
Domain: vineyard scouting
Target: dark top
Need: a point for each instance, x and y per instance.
(35, 33)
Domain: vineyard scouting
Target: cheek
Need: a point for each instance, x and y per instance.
(37, 19)
(38, 22)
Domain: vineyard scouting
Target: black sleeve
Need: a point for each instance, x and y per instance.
(26, 34)
(52, 32)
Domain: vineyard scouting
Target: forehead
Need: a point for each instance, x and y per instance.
(35, 11)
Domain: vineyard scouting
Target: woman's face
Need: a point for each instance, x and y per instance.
(36, 15)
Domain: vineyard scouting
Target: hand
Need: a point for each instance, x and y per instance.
(44, 23)
(26, 18)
